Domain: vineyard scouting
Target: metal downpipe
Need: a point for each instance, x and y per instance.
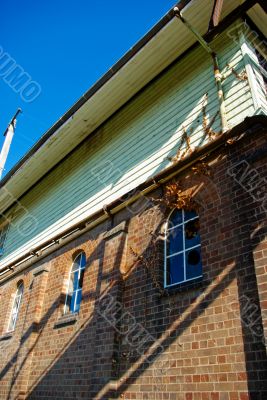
(216, 69)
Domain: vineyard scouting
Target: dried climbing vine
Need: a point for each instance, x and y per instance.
(175, 197)
(206, 125)
(185, 147)
(242, 76)
(201, 168)
(188, 150)
(151, 263)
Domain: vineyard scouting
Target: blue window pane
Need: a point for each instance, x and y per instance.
(70, 302)
(82, 260)
(189, 215)
(191, 230)
(175, 240)
(193, 263)
(80, 283)
(78, 300)
(175, 218)
(175, 269)
(76, 280)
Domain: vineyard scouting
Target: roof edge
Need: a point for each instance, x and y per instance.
(93, 89)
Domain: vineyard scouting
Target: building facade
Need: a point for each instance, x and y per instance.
(133, 234)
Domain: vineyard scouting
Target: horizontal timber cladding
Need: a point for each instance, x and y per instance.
(134, 145)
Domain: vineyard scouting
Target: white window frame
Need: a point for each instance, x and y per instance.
(183, 251)
(79, 268)
(15, 307)
(4, 228)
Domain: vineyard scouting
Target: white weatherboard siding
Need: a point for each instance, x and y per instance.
(132, 146)
(253, 41)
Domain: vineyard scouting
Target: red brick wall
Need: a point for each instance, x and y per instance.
(201, 341)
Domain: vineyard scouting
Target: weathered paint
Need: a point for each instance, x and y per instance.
(134, 145)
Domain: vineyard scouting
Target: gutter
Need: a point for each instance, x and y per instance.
(249, 125)
(227, 21)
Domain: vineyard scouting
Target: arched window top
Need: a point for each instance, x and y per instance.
(74, 294)
(178, 217)
(182, 248)
(79, 262)
(20, 288)
(16, 306)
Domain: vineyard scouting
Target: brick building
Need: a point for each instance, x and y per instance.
(133, 234)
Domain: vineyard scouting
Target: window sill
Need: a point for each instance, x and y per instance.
(6, 336)
(66, 319)
(183, 287)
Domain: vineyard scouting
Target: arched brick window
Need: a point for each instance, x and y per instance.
(15, 307)
(74, 293)
(182, 248)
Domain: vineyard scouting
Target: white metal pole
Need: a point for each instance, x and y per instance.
(6, 146)
(9, 133)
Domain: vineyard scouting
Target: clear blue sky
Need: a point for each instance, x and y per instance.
(65, 46)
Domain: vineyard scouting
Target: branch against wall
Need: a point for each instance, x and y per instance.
(175, 196)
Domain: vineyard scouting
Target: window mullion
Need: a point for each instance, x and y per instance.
(75, 299)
